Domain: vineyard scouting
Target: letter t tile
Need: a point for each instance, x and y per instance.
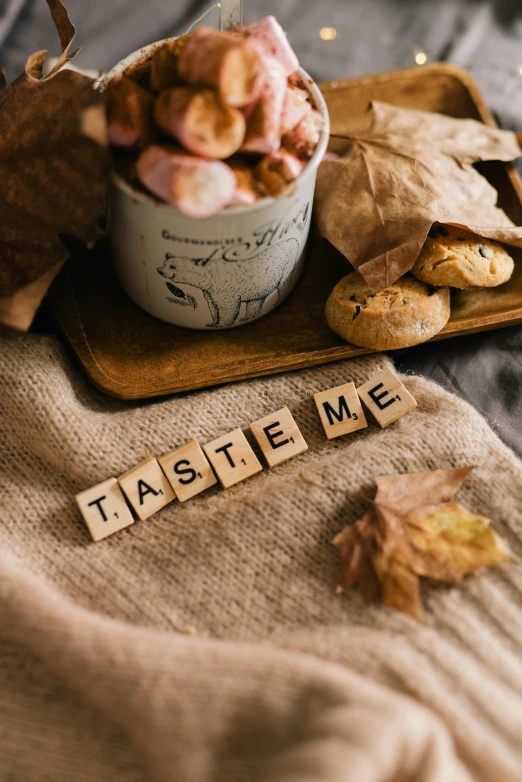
(104, 509)
(232, 458)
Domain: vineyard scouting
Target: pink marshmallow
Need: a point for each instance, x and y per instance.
(226, 61)
(263, 133)
(196, 187)
(246, 193)
(278, 170)
(201, 121)
(295, 108)
(129, 109)
(272, 38)
(303, 139)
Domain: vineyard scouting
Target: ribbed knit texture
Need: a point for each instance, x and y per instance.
(207, 643)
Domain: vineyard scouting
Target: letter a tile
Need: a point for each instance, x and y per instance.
(340, 410)
(146, 487)
(386, 398)
(278, 437)
(104, 509)
(232, 458)
(188, 470)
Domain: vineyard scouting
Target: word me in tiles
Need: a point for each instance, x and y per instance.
(190, 469)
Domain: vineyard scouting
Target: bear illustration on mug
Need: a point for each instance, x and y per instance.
(225, 293)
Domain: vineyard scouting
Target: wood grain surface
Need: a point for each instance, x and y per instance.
(131, 355)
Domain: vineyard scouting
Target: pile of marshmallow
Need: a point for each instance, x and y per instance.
(212, 97)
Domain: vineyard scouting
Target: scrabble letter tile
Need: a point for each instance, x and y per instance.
(340, 410)
(104, 509)
(146, 487)
(187, 470)
(232, 458)
(278, 437)
(386, 398)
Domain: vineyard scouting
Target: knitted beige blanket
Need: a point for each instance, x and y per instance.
(207, 643)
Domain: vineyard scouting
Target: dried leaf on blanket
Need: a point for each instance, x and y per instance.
(377, 202)
(413, 530)
(53, 169)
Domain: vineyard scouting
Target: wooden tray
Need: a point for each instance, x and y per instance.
(131, 355)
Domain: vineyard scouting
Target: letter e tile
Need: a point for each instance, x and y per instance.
(386, 397)
(232, 458)
(278, 437)
(187, 470)
(146, 487)
(340, 410)
(104, 509)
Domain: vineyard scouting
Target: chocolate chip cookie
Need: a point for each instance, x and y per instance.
(460, 259)
(403, 314)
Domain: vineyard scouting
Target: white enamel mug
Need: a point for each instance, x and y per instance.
(215, 272)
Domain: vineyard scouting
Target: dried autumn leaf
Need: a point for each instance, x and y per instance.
(414, 530)
(400, 588)
(409, 170)
(408, 492)
(449, 541)
(53, 170)
(357, 546)
(66, 32)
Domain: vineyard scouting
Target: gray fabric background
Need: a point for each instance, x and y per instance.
(372, 35)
